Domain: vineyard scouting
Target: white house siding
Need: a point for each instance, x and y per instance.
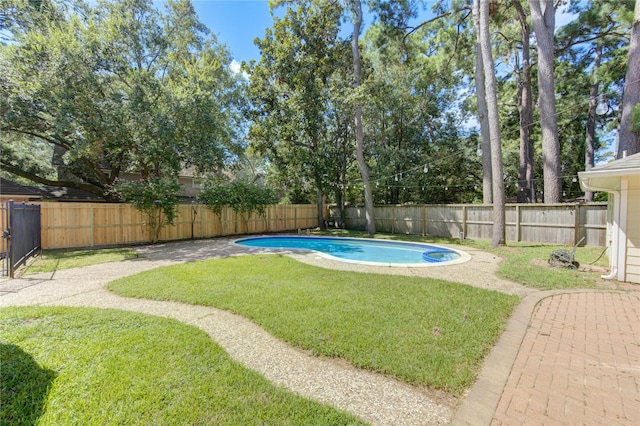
(633, 230)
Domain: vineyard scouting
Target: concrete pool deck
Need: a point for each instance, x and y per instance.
(509, 389)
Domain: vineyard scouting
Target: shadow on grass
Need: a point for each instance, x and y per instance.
(24, 387)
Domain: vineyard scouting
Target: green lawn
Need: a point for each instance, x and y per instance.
(423, 331)
(64, 366)
(53, 260)
(83, 366)
(518, 266)
(518, 260)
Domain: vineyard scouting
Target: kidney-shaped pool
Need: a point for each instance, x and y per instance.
(364, 251)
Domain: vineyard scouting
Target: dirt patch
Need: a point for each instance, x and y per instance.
(601, 283)
(593, 268)
(582, 268)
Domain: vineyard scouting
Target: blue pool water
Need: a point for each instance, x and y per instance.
(360, 250)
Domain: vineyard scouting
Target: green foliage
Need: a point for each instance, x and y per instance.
(298, 90)
(241, 196)
(413, 118)
(157, 198)
(116, 87)
(63, 366)
(599, 25)
(126, 87)
(33, 156)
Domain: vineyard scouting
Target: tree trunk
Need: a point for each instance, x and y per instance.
(543, 26)
(320, 204)
(526, 186)
(627, 140)
(589, 143)
(487, 175)
(362, 164)
(498, 238)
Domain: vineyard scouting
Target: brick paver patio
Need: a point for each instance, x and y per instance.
(579, 363)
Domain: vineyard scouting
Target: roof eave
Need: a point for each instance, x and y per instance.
(599, 181)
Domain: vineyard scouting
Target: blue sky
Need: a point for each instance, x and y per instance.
(236, 23)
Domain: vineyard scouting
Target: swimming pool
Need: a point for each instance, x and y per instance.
(364, 251)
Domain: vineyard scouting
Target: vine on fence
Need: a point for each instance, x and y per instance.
(242, 197)
(156, 198)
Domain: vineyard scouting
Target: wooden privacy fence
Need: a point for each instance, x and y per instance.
(70, 225)
(537, 223)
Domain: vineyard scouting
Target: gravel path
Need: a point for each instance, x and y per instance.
(375, 398)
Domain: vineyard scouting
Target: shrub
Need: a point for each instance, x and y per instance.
(157, 198)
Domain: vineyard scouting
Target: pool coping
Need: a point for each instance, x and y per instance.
(464, 257)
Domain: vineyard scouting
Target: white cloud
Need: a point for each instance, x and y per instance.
(235, 67)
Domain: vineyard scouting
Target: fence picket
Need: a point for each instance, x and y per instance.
(537, 223)
(72, 225)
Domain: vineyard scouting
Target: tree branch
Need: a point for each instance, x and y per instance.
(455, 48)
(427, 22)
(588, 39)
(52, 141)
(93, 189)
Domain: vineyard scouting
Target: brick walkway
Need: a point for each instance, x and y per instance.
(579, 363)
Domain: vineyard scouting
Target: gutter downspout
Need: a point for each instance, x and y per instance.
(615, 237)
(613, 261)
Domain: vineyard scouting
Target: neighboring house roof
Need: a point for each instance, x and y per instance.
(607, 176)
(68, 194)
(9, 188)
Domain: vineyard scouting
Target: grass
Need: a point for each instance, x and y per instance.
(423, 331)
(53, 260)
(104, 367)
(518, 257)
(82, 366)
(518, 266)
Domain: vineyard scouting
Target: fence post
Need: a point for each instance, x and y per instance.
(201, 211)
(393, 219)
(92, 226)
(576, 232)
(9, 253)
(4, 240)
(518, 233)
(464, 222)
(284, 220)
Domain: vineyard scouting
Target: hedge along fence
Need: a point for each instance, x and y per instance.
(74, 225)
(536, 223)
